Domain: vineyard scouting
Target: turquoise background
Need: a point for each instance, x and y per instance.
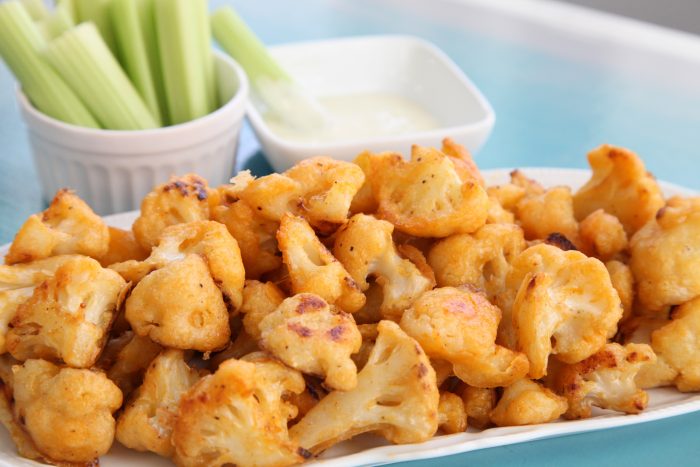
(551, 109)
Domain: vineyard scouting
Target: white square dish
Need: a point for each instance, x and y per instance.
(400, 65)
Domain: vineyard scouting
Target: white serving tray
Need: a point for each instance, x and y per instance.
(369, 450)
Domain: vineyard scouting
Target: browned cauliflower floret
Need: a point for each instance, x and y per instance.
(498, 214)
(68, 226)
(67, 412)
(481, 259)
(122, 247)
(665, 254)
(237, 416)
(366, 249)
(638, 330)
(541, 215)
(180, 200)
(478, 404)
(520, 186)
(452, 417)
(130, 361)
(68, 316)
(460, 325)
(462, 160)
(507, 194)
(527, 402)
(426, 197)
(395, 397)
(255, 236)
(307, 334)
(621, 186)
(623, 281)
(259, 300)
(565, 305)
(606, 379)
(313, 269)
(180, 306)
(148, 419)
(364, 200)
(602, 235)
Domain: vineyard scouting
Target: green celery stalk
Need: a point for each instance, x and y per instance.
(69, 6)
(206, 55)
(150, 40)
(179, 43)
(56, 23)
(85, 62)
(20, 46)
(132, 51)
(97, 11)
(36, 9)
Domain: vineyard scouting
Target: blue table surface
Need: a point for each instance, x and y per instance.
(551, 108)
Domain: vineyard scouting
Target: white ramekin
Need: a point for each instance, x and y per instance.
(113, 170)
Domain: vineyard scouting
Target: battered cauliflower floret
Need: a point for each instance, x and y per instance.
(395, 397)
(271, 196)
(68, 226)
(478, 404)
(452, 417)
(259, 300)
(366, 249)
(364, 200)
(520, 186)
(498, 214)
(307, 334)
(130, 361)
(638, 330)
(665, 254)
(623, 281)
(507, 194)
(67, 412)
(369, 335)
(122, 247)
(426, 197)
(565, 305)
(602, 235)
(527, 402)
(313, 269)
(462, 160)
(180, 200)
(148, 419)
(68, 316)
(180, 306)
(255, 236)
(606, 379)
(678, 344)
(237, 416)
(460, 325)
(621, 186)
(550, 212)
(481, 259)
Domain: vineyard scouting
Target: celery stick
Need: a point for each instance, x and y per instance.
(85, 62)
(69, 6)
(36, 9)
(97, 11)
(132, 51)
(150, 40)
(20, 43)
(179, 45)
(56, 23)
(206, 55)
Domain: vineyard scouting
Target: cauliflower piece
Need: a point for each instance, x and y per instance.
(307, 334)
(259, 300)
(307, 400)
(460, 325)
(146, 424)
(478, 404)
(67, 412)
(507, 195)
(606, 379)
(638, 330)
(122, 247)
(271, 196)
(255, 236)
(602, 235)
(621, 186)
(364, 200)
(443, 370)
(395, 390)
(527, 402)
(678, 344)
(180, 306)
(520, 186)
(68, 226)
(365, 247)
(426, 197)
(482, 258)
(369, 335)
(313, 269)
(623, 281)
(237, 416)
(498, 214)
(565, 305)
(180, 200)
(549, 212)
(462, 160)
(68, 316)
(452, 417)
(665, 253)
(130, 361)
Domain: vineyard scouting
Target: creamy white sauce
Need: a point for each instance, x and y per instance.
(359, 116)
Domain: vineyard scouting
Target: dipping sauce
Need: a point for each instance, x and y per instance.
(360, 116)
